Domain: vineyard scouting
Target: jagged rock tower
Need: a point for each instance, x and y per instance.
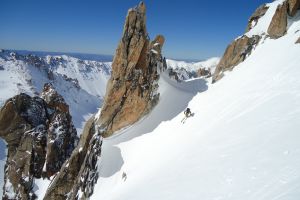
(40, 137)
(131, 93)
(132, 88)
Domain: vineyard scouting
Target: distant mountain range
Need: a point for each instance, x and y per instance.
(87, 56)
(81, 56)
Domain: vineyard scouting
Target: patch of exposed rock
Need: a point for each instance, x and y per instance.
(259, 12)
(131, 93)
(39, 136)
(203, 72)
(277, 27)
(239, 49)
(298, 41)
(79, 172)
(234, 54)
(132, 88)
(293, 6)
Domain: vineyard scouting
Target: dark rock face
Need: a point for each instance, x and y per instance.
(235, 53)
(79, 172)
(202, 72)
(173, 75)
(39, 137)
(259, 12)
(293, 6)
(181, 74)
(131, 91)
(298, 41)
(277, 27)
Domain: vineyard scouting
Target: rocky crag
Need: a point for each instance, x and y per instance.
(132, 88)
(242, 47)
(40, 136)
(131, 93)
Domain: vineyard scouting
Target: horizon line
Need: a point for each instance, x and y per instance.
(100, 54)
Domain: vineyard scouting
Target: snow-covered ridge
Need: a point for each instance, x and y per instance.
(81, 82)
(210, 63)
(187, 70)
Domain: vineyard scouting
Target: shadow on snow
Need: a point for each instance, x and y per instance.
(174, 98)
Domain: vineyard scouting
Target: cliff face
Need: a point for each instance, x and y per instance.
(293, 6)
(242, 47)
(132, 88)
(259, 12)
(40, 136)
(277, 27)
(131, 93)
(234, 54)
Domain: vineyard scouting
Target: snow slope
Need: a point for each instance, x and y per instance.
(242, 143)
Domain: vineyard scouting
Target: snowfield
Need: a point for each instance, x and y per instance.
(242, 143)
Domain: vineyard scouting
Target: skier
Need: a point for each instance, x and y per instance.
(124, 176)
(187, 113)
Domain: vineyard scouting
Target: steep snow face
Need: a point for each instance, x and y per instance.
(242, 143)
(91, 75)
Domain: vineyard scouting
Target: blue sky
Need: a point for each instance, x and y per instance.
(194, 29)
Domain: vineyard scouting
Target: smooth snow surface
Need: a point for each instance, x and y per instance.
(242, 143)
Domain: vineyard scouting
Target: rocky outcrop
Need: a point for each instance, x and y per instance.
(39, 137)
(259, 12)
(173, 75)
(293, 6)
(298, 41)
(79, 174)
(203, 72)
(131, 93)
(132, 88)
(239, 49)
(277, 27)
(235, 53)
